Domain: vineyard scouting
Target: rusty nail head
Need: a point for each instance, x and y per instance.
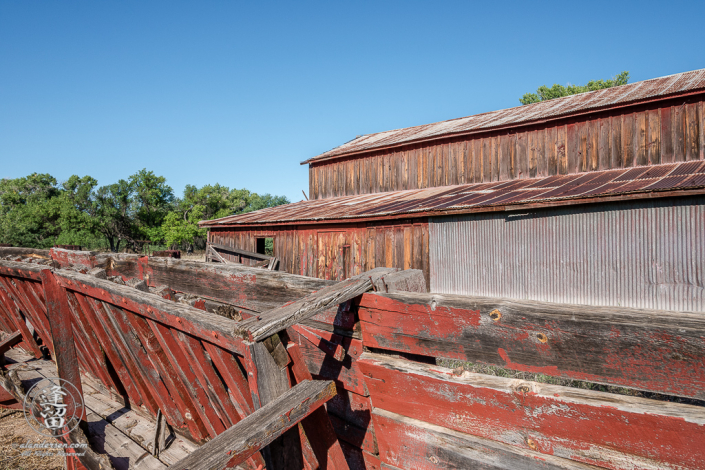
(495, 315)
(542, 337)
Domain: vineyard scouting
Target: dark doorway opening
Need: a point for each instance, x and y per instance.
(265, 246)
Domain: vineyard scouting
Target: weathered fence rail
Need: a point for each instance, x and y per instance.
(393, 408)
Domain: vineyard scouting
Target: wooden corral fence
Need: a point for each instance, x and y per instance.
(394, 407)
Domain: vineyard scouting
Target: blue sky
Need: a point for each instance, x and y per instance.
(240, 93)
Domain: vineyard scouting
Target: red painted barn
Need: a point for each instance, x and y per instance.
(592, 199)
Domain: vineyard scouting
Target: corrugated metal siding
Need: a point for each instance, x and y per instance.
(642, 254)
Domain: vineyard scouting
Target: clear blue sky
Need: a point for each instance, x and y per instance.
(240, 93)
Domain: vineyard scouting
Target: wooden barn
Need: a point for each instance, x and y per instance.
(593, 199)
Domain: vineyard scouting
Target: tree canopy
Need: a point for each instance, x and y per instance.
(544, 93)
(37, 211)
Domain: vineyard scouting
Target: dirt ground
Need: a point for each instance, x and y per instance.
(14, 431)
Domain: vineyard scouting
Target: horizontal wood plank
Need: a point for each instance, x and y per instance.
(645, 349)
(243, 286)
(204, 325)
(409, 443)
(604, 429)
(260, 428)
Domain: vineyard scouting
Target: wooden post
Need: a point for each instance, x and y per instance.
(59, 314)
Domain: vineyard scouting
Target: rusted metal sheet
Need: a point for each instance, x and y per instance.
(644, 181)
(656, 88)
(641, 254)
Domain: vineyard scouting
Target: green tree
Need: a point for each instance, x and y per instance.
(210, 202)
(151, 200)
(29, 211)
(544, 93)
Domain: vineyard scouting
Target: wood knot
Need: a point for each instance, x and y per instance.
(531, 443)
(495, 315)
(523, 388)
(542, 337)
(434, 460)
(677, 357)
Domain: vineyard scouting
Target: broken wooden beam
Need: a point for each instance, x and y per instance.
(10, 341)
(237, 251)
(217, 255)
(260, 428)
(275, 320)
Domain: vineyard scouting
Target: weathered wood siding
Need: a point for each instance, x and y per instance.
(337, 252)
(662, 132)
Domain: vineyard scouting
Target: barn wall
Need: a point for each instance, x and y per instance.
(321, 251)
(662, 132)
(642, 254)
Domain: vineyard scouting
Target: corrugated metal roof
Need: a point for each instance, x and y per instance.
(470, 197)
(560, 107)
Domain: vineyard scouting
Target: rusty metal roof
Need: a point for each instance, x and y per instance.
(646, 181)
(662, 87)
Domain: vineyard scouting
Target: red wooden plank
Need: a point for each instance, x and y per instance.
(8, 295)
(61, 322)
(108, 347)
(175, 401)
(6, 322)
(644, 349)
(89, 343)
(612, 431)
(196, 394)
(208, 378)
(128, 354)
(34, 308)
(317, 426)
(229, 369)
(334, 350)
(21, 270)
(407, 443)
(10, 340)
(345, 373)
(175, 315)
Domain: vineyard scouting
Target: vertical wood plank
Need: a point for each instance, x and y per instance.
(693, 147)
(561, 158)
(541, 162)
(616, 159)
(533, 164)
(640, 142)
(503, 158)
(477, 160)
(628, 126)
(666, 135)
(416, 260)
(61, 322)
(408, 243)
(604, 150)
(593, 145)
(522, 157)
(380, 258)
(494, 166)
(654, 137)
(551, 155)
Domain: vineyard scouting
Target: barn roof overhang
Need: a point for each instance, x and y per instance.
(658, 89)
(654, 181)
